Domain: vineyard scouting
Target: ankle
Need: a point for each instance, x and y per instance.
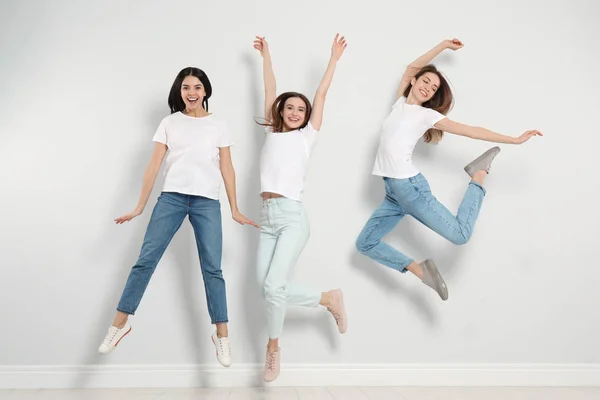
(326, 299)
(273, 345)
(120, 320)
(120, 324)
(415, 269)
(479, 176)
(222, 331)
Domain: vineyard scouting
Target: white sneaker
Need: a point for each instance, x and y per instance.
(113, 337)
(223, 349)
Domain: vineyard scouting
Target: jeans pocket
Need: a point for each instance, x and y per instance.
(290, 207)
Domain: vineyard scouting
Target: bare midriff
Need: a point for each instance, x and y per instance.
(271, 195)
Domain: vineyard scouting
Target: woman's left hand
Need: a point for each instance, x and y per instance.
(242, 220)
(527, 135)
(339, 45)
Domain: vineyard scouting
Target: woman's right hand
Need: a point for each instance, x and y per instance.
(128, 217)
(261, 45)
(453, 44)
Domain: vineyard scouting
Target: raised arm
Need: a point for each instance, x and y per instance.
(160, 149)
(424, 60)
(337, 49)
(473, 132)
(228, 174)
(262, 46)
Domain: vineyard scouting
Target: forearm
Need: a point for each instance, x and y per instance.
(327, 78)
(268, 76)
(426, 58)
(147, 185)
(228, 173)
(489, 136)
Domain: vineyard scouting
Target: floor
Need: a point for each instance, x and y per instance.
(312, 393)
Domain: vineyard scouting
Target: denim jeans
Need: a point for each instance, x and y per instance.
(412, 196)
(167, 216)
(284, 231)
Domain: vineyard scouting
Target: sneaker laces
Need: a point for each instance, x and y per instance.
(224, 346)
(113, 331)
(271, 358)
(335, 314)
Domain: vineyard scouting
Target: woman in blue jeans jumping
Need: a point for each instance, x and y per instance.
(292, 129)
(198, 157)
(424, 98)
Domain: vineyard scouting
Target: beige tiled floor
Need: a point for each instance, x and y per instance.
(311, 393)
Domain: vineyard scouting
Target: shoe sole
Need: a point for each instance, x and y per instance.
(116, 344)
(440, 286)
(271, 380)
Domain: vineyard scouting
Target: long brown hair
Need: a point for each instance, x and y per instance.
(276, 120)
(442, 101)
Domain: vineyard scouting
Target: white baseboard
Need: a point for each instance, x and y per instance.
(60, 377)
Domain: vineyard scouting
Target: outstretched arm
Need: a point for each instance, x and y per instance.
(473, 132)
(160, 149)
(424, 60)
(228, 174)
(337, 49)
(262, 46)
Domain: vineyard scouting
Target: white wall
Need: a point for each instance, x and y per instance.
(84, 86)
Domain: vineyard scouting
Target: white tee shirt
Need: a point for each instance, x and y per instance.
(401, 131)
(284, 161)
(192, 163)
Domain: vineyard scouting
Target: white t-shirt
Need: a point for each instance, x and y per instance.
(284, 161)
(192, 163)
(401, 131)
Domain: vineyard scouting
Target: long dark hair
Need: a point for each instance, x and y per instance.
(276, 120)
(441, 101)
(176, 103)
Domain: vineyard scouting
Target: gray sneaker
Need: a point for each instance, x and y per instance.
(483, 162)
(433, 279)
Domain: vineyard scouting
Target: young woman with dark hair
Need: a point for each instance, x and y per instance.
(196, 144)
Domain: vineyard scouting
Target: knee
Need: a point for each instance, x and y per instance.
(362, 245)
(144, 266)
(213, 273)
(460, 239)
(274, 295)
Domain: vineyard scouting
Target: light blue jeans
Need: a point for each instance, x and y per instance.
(412, 196)
(284, 231)
(168, 215)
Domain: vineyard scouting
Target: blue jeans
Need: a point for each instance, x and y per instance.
(168, 215)
(412, 196)
(284, 231)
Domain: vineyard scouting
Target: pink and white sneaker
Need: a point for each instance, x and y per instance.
(223, 349)
(113, 337)
(272, 365)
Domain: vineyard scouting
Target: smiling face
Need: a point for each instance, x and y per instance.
(425, 87)
(293, 113)
(192, 93)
